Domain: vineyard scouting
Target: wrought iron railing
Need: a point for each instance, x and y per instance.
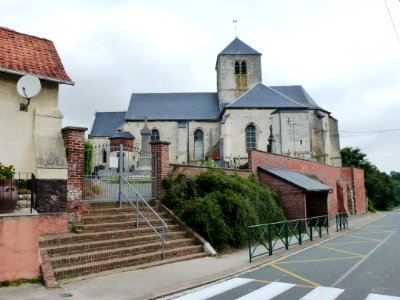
(265, 238)
(129, 193)
(342, 221)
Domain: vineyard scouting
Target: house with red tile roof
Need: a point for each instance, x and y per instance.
(31, 140)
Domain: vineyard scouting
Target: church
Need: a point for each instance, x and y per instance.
(223, 126)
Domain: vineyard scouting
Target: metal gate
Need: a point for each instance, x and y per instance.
(104, 165)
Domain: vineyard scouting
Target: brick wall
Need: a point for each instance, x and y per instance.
(329, 175)
(74, 141)
(160, 150)
(292, 200)
(53, 223)
(127, 143)
(360, 203)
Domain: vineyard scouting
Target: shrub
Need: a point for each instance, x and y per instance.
(220, 207)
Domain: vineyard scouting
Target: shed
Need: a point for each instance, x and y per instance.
(300, 195)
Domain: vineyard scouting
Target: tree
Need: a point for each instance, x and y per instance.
(88, 160)
(383, 190)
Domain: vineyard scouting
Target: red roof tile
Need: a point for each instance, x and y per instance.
(26, 54)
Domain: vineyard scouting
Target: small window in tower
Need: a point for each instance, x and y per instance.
(237, 68)
(243, 68)
(155, 135)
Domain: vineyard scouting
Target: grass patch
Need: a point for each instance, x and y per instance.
(19, 282)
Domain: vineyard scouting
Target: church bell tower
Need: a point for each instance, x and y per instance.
(238, 69)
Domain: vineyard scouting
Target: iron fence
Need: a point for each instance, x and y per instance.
(265, 238)
(342, 221)
(104, 165)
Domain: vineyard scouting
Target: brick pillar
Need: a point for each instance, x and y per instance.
(161, 169)
(74, 141)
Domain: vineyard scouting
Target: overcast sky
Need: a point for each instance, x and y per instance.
(345, 53)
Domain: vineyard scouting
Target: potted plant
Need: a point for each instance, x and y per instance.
(8, 192)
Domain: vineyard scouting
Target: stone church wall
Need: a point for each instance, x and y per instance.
(292, 133)
(226, 83)
(180, 138)
(239, 119)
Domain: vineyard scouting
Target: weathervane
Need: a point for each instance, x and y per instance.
(235, 21)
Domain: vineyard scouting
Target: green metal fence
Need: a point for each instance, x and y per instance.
(342, 221)
(265, 238)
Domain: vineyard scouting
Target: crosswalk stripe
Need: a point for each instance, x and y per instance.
(322, 292)
(381, 297)
(216, 289)
(268, 292)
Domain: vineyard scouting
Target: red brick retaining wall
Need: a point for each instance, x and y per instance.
(330, 176)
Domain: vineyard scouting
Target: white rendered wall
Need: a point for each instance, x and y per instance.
(32, 140)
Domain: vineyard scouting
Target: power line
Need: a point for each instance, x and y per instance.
(391, 19)
(372, 131)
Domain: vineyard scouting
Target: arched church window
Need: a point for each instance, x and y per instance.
(251, 137)
(237, 68)
(155, 135)
(243, 68)
(104, 156)
(198, 145)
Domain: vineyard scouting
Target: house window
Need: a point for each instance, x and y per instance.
(237, 67)
(198, 145)
(251, 137)
(155, 135)
(243, 69)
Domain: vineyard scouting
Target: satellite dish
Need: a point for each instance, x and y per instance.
(28, 86)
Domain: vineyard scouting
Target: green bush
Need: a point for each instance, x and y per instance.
(220, 207)
(371, 207)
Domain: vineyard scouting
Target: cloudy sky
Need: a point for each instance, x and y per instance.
(345, 53)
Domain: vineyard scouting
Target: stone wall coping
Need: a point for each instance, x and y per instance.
(21, 213)
(204, 167)
(160, 143)
(74, 128)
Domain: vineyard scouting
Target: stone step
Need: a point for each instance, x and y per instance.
(115, 210)
(122, 225)
(70, 238)
(173, 255)
(108, 205)
(119, 216)
(110, 254)
(109, 244)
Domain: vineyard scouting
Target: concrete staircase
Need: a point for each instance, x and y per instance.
(109, 240)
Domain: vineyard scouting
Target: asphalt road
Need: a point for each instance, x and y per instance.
(361, 264)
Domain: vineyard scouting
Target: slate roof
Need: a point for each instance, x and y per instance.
(106, 123)
(297, 93)
(297, 179)
(237, 47)
(174, 106)
(26, 54)
(262, 96)
(122, 135)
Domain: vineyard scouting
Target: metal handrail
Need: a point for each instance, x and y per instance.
(269, 236)
(342, 221)
(163, 235)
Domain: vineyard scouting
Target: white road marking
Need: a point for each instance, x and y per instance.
(216, 289)
(322, 292)
(268, 292)
(381, 297)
